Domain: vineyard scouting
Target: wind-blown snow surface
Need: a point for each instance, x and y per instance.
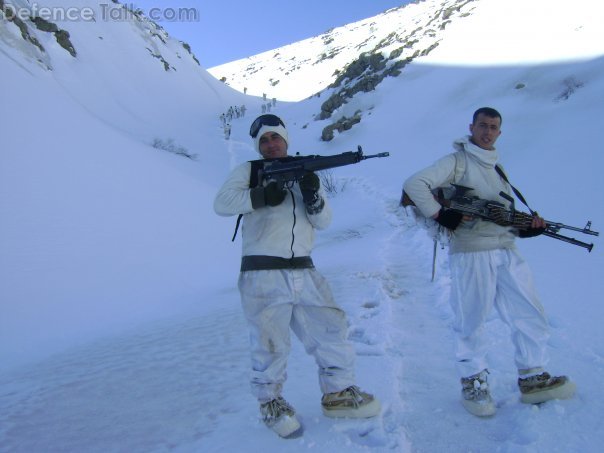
(120, 322)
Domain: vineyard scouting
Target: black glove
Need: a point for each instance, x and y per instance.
(271, 195)
(530, 232)
(309, 186)
(448, 218)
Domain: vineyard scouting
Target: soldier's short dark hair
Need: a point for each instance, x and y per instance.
(488, 111)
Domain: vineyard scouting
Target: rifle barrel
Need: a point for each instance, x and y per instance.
(386, 154)
(554, 226)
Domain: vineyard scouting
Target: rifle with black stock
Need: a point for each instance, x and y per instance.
(496, 212)
(288, 170)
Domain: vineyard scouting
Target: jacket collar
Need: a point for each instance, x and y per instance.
(486, 158)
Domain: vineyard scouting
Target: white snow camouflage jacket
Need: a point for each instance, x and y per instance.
(480, 174)
(286, 230)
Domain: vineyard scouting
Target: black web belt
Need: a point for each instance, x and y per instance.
(264, 263)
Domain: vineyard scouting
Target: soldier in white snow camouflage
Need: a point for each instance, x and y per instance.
(281, 289)
(487, 271)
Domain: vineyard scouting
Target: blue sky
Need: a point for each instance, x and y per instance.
(230, 30)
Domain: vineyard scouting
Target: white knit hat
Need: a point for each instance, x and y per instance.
(279, 129)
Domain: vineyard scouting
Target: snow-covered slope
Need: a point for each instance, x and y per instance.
(89, 206)
(127, 73)
(304, 68)
(113, 260)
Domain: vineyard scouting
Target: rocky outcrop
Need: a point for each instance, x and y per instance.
(167, 66)
(369, 69)
(187, 47)
(343, 124)
(62, 36)
(10, 15)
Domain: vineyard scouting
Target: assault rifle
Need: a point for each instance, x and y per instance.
(288, 170)
(496, 212)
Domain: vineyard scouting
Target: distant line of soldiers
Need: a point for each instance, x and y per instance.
(234, 112)
(226, 118)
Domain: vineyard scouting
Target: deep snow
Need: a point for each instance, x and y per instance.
(120, 325)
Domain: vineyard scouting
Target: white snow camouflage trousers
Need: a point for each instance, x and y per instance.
(502, 279)
(275, 300)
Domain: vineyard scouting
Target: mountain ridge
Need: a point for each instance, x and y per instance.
(383, 43)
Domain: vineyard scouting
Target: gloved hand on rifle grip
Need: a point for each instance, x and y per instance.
(309, 186)
(271, 195)
(449, 219)
(530, 232)
(537, 226)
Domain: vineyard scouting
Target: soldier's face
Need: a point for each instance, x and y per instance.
(485, 131)
(272, 145)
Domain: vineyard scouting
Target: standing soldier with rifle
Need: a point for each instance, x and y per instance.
(279, 285)
(487, 271)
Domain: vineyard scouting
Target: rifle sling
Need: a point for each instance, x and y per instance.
(256, 165)
(516, 191)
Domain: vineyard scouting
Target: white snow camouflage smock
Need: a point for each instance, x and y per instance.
(487, 272)
(480, 175)
(276, 300)
(285, 230)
